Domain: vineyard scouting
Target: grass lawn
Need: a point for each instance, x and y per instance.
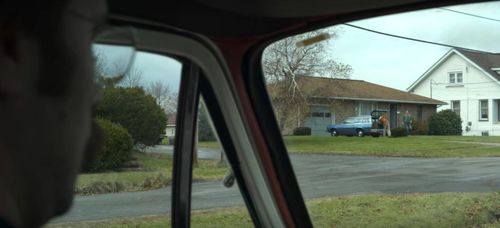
(407, 210)
(156, 173)
(414, 146)
(209, 144)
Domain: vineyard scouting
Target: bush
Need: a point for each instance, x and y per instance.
(419, 128)
(302, 131)
(398, 132)
(116, 149)
(445, 122)
(205, 132)
(136, 111)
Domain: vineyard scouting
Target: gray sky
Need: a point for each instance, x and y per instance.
(398, 63)
(388, 61)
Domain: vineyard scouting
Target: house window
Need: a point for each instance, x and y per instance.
(321, 114)
(365, 108)
(483, 110)
(455, 107)
(498, 110)
(317, 114)
(455, 77)
(459, 77)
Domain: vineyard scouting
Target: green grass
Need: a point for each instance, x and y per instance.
(156, 172)
(488, 139)
(414, 146)
(209, 144)
(407, 210)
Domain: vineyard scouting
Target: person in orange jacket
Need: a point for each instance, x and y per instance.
(385, 122)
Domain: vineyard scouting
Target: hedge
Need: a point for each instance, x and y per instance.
(302, 131)
(398, 132)
(116, 149)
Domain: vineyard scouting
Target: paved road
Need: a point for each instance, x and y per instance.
(203, 153)
(319, 175)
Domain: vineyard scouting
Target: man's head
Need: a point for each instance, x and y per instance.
(46, 96)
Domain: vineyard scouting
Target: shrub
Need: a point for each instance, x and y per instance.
(419, 128)
(205, 132)
(445, 122)
(302, 131)
(116, 149)
(398, 132)
(136, 111)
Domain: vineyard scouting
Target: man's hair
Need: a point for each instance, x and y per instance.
(32, 17)
(40, 19)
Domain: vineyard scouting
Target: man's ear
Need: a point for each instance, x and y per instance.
(9, 45)
(12, 75)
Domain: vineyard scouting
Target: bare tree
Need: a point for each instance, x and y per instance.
(287, 60)
(132, 79)
(164, 95)
(170, 103)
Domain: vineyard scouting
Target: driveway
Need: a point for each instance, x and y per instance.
(319, 176)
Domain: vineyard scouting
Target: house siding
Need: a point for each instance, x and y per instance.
(476, 86)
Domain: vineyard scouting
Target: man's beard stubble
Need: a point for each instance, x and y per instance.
(94, 145)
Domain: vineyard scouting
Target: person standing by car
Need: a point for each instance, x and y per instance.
(47, 94)
(385, 122)
(407, 120)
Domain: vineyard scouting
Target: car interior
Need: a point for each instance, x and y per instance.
(217, 48)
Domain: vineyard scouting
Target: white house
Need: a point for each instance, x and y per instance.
(170, 129)
(470, 83)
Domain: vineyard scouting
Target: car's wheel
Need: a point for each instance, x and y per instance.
(375, 135)
(360, 133)
(334, 132)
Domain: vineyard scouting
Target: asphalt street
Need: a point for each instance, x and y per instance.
(319, 176)
(203, 153)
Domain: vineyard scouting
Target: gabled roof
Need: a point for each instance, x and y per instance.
(484, 60)
(319, 87)
(481, 60)
(172, 119)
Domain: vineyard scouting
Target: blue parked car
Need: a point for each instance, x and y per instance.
(356, 125)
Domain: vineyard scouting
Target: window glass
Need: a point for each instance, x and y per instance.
(455, 77)
(455, 106)
(130, 180)
(452, 77)
(498, 110)
(216, 200)
(393, 64)
(350, 120)
(365, 108)
(317, 114)
(483, 109)
(459, 77)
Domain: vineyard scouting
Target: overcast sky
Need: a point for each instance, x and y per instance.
(388, 61)
(397, 62)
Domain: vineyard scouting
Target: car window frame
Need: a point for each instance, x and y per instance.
(154, 37)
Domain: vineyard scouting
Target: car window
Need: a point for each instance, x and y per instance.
(431, 158)
(132, 174)
(350, 120)
(215, 197)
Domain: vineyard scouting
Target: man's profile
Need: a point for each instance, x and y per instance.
(47, 92)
